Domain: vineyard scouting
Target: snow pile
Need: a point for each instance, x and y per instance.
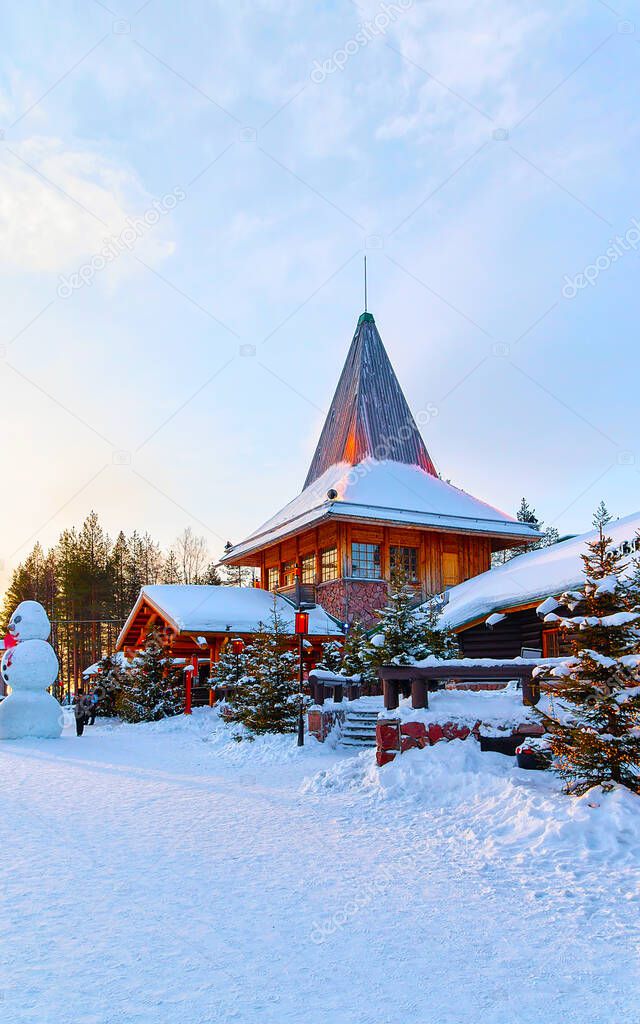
(466, 707)
(226, 741)
(507, 811)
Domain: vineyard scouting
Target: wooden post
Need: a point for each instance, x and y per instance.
(530, 692)
(419, 693)
(390, 693)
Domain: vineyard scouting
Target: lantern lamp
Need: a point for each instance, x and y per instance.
(302, 623)
(237, 645)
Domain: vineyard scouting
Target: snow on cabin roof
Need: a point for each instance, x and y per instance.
(529, 577)
(209, 609)
(387, 491)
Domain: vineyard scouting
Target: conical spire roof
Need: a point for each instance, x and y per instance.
(369, 416)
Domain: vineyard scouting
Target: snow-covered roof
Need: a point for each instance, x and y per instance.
(388, 491)
(529, 577)
(210, 609)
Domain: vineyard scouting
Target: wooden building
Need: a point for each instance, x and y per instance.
(373, 503)
(502, 613)
(199, 620)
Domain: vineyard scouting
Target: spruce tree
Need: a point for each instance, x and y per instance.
(268, 699)
(229, 669)
(153, 687)
(171, 569)
(594, 716)
(407, 634)
(109, 684)
(355, 661)
(211, 576)
(527, 514)
(332, 657)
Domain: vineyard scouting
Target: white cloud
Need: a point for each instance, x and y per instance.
(57, 205)
(488, 52)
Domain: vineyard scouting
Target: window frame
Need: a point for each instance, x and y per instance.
(365, 556)
(329, 571)
(308, 568)
(409, 554)
(288, 572)
(271, 570)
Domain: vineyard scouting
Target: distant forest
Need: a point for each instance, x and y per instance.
(88, 584)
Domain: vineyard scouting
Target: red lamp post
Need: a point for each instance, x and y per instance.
(301, 627)
(189, 672)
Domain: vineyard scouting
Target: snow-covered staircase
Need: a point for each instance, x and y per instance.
(359, 728)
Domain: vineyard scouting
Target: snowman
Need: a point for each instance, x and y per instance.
(29, 666)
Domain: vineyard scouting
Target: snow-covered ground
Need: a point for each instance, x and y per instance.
(164, 873)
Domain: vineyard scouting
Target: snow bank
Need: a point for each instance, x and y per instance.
(206, 725)
(466, 707)
(508, 811)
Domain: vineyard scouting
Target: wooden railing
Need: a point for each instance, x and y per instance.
(299, 593)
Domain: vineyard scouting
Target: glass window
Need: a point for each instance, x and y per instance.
(273, 578)
(289, 573)
(365, 561)
(308, 569)
(329, 564)
(404, 563)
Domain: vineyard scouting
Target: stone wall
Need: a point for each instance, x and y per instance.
(350, 600)
(394, 736)
(322, 722)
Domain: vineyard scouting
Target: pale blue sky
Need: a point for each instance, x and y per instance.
(478, 151)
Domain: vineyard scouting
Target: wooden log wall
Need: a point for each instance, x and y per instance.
(443, 559)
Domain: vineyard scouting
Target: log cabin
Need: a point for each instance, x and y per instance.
(373, 505)
(500, 614)
(198, 620)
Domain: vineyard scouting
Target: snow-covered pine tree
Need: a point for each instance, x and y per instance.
(229, 668)
(527, 514)
(355, 661)
(109, 683)
(594, 716)
(267, 699)
(332, 656)
(407, 634)
(153, 686)
(437, 639)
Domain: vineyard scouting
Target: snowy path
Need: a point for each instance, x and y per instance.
(153, 877)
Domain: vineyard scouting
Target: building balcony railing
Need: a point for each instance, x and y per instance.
(299, 593)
